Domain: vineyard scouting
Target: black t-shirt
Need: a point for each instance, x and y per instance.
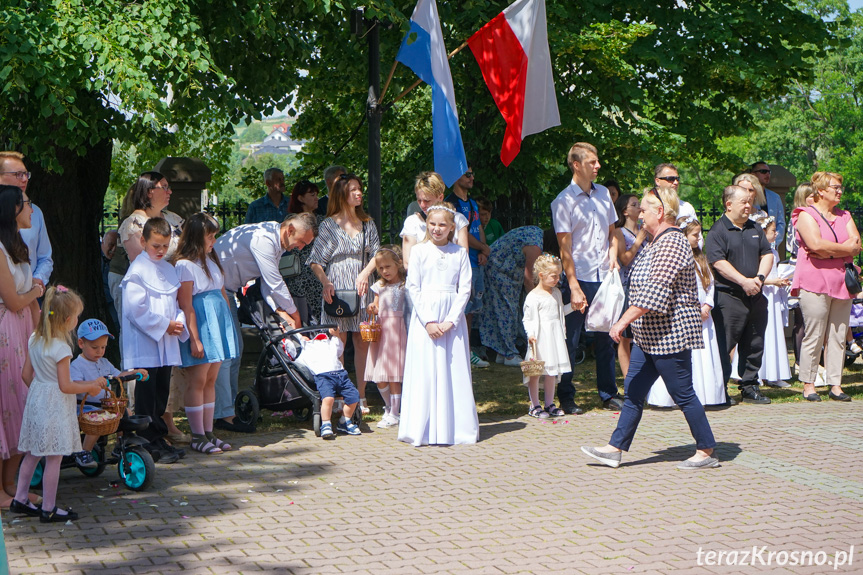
(742, 248)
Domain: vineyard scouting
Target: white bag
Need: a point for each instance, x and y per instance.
(607, 305)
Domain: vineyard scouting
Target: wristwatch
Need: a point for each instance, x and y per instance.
(761, 277)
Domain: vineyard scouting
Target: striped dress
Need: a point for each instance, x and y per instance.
(342, 261)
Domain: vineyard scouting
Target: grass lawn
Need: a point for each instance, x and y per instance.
(499, 392)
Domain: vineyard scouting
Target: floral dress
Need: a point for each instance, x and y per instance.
(499, 323)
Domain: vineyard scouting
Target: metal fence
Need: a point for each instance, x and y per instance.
(510, 212)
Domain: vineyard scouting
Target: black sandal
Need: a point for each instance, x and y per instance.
(223, 445)
(202, 444)
(554, 411)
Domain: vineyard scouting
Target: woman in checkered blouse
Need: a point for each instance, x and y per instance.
(666, 323)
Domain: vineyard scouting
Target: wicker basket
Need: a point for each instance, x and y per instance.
(105, 427)
(116, 403)
(370, 330)
(532, 367)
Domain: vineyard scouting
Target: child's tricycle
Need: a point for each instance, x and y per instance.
(135, 465)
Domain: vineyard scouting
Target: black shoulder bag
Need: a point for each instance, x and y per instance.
(346, 302)
(852, 278)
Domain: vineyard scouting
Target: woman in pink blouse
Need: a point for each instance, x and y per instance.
(828, 239)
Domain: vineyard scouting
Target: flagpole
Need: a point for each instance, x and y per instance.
(418, 82)
(387, 84)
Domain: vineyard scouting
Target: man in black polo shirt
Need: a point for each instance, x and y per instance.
(741, 258)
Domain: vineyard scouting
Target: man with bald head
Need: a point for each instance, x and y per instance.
(741, 258)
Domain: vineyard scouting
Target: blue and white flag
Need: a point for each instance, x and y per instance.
(423, 51)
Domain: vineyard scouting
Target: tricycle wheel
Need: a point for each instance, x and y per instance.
(136, 468)
(246, 407)
(98, 454)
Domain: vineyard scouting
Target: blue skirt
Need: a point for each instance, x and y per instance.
(215, 328)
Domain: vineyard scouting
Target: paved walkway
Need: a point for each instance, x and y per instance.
(523, 500)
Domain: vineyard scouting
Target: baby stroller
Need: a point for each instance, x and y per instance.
(280, 384)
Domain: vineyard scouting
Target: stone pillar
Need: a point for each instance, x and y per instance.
(188, 178)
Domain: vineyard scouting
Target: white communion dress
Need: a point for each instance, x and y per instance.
(438, 406)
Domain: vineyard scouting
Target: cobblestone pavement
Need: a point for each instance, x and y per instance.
(523, 500)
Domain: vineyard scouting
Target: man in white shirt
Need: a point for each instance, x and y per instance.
(584, 217)
(249, 252)
(667, 176)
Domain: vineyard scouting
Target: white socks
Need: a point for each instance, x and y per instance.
(396, 399)
(195, 415)
(385, 394)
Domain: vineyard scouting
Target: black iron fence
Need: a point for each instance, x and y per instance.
(511, 213)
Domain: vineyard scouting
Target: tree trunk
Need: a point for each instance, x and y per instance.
(72, 204)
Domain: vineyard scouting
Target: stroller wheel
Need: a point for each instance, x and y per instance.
(317, 425)
(246, 407)
(303, 414)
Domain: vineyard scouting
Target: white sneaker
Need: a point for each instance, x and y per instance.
(387, 421)
(778, 383)
(513, 361)
(476, 361)
(855, 347)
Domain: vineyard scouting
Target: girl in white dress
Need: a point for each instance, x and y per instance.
(543, 323)
(774, 364)
(706, 364)
(438, 404)
(49, 427)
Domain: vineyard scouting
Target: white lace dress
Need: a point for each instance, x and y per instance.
(50, 422)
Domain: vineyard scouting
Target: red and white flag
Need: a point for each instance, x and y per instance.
(512, 52)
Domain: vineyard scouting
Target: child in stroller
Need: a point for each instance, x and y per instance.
(281, 383)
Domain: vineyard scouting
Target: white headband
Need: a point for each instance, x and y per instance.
(446, 209)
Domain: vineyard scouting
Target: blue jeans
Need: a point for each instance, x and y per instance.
(676, 371)
(227, 382)
(603, 349)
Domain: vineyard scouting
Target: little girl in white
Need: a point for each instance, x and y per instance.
(49, 427)
(706, 364)
(386, 359)
(774, 364)
(439, 407)
(212, 338)
(544, 325)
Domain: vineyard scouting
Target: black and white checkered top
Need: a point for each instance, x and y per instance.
(663, 282)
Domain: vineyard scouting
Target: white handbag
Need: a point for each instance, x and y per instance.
(607, 304)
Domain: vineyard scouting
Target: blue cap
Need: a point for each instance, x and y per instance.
(93, 329)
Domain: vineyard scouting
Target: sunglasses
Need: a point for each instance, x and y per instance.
(761, 171)
(655, 193)
(669, 179)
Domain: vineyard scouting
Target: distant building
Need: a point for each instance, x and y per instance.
(278, 142)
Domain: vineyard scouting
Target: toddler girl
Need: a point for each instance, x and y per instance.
(438, 392)
(544, 325)
(706, 365)
(212, 338)
(386, 363)
(49, 427)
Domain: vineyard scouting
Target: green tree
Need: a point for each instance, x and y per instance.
(171, 76)
(253, 134)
